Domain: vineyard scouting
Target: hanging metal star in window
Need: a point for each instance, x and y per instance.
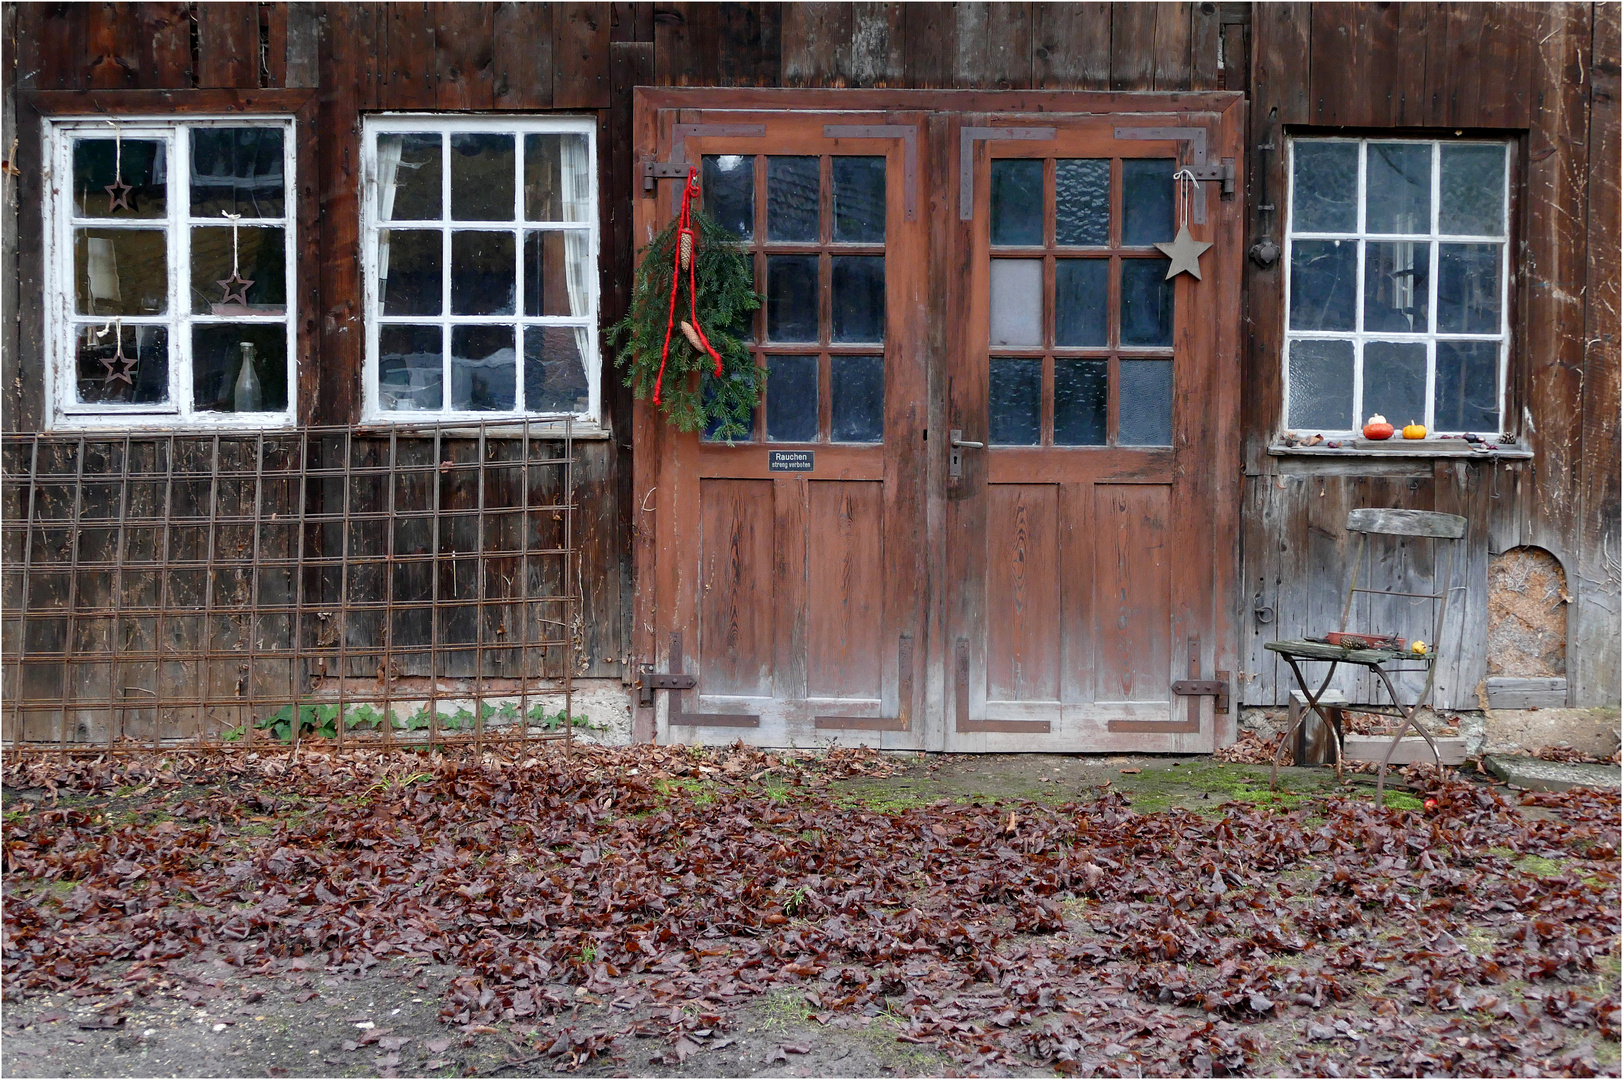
(1185, 252)
(236, 289)
(119, 196)
(120, 368)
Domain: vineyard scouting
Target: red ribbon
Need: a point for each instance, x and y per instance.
(684, 228)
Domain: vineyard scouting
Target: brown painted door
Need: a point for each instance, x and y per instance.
(1091, 542)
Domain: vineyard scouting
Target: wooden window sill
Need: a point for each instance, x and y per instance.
(1406, 448)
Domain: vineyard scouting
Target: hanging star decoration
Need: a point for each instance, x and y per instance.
(120, 368)
(235, 286)
(118, 192)
(1184, 251)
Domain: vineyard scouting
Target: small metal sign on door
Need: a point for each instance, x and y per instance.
(790, 460)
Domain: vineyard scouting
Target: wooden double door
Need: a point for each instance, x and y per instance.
(989, 500)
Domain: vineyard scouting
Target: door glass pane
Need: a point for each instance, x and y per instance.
(1082, 302)
(99, 163)
(857, 389)
(1397, 286)
(729, 192)
(1146, 403)
(1467, 386)
(859, 200)
(556, 265)
(791, 298)
(1082, 202)
(1017, 201)
(1472, 200)
(1323, 279)
(1398, 178)
(1081, 399)
(483, 273)
(139, 377)
(1015, 402)
(1324, 195)
(791, 399)
(219, 381)
(1146, 201)
(859, 297)
(1395, 381)
(1146, 302)
(409, 176)
(555, 369)
(1017, 302)
(410, 367)
(261, 259)
(738, 427)
(557, 177)
(1468, 288)
(483, 368)
(1321, 390)
(482, 176)
(237, 171)
(409, 276)
(121, 271)
(793, 198)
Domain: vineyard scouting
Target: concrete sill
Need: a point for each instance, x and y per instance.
(1406, 448)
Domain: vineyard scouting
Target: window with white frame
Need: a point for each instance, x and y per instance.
(481, 267)
(170, 252)
(1397, 264)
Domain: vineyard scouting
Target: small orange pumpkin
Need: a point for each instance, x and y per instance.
(1377, 428)
(1412, 430)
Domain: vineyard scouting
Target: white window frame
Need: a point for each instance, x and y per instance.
(587, 422)
(65, 410)
(1433, 239)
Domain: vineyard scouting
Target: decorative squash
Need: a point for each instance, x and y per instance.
(1377, 428)
(1419, 648)
(1412, 430)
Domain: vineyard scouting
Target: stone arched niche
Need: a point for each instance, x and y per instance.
(1527, 614)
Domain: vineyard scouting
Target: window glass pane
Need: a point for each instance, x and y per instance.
(1146, 201)
(482, 178)
(1081, 398)
(1472, 200)
(1015, 402)
(410, 178)
(410, 280)
(1017, 201)
(1146, 302)
(410, 367)
(1397, 286)
(261, 259)
(556, 272)
(859, 200)
(791, 399)
(1082, 201)
(859, 297)
(1017, 302)
(1321, 390)
(482, 368)
(1468, 386)
(557, 177)
(1146, 403)
(729, 192)
(857, 389)
(1398, 178)
(1395, 381)
(791, 298)
(555, 369)
(1323, 277)
(1082, 302)
(483, 274)
(793, 198)
(1324, 196)
(743, 427)
(99, 163)
(121, 271)
(1468, 288)
(139, 377)
(237, 171)
(239, 368)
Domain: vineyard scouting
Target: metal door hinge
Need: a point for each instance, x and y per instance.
(1217, 688)
(1223, 173)
(649, 680)
(653, 171)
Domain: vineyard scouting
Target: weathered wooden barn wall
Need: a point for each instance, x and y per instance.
(1545, 74)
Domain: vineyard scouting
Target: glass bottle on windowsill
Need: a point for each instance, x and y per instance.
(247, 396)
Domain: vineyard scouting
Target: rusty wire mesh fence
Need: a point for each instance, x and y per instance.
(253, 589)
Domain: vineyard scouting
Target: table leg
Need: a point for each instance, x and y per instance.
(1408, 712)
(1312, 703)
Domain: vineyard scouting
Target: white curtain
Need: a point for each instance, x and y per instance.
(388, 167)
(577, 191)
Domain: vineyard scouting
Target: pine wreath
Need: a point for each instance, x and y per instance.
(725, 302)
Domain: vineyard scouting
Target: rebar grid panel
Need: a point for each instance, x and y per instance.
(387, 587)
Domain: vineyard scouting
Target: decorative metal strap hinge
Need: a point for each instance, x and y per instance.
(649, 680)
(653, 171)
(1223, 173)
(1193, 687)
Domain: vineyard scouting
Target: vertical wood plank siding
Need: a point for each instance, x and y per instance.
(1545, 75)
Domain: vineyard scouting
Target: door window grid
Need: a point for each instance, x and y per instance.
(1045, 393)
(814, 227)
(1364, 329)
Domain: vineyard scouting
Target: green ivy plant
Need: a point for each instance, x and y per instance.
(320, 721)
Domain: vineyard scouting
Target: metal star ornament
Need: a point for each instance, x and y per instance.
(118, 196)
(236, 289)
(1185, 252)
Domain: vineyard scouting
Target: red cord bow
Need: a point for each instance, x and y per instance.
(685, 236)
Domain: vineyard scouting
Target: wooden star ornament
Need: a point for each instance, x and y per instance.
(118, 196)
(120, 368)
(236, 289)
(1185, 252)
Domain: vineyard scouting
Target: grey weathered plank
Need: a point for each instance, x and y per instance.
(1406, 523)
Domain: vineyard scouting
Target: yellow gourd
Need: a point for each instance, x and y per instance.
(1419, 648)
(1413, 430)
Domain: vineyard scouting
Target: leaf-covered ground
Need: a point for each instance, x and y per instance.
(653, 910)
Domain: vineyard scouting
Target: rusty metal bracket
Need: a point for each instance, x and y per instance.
(649, 680)
(1217, 688)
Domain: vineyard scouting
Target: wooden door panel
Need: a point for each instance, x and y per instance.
(736, 632)
(1132, 585)
(1023, 616)
(844, 589)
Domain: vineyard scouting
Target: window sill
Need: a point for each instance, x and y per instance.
(1407, 448)
(581, 431)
